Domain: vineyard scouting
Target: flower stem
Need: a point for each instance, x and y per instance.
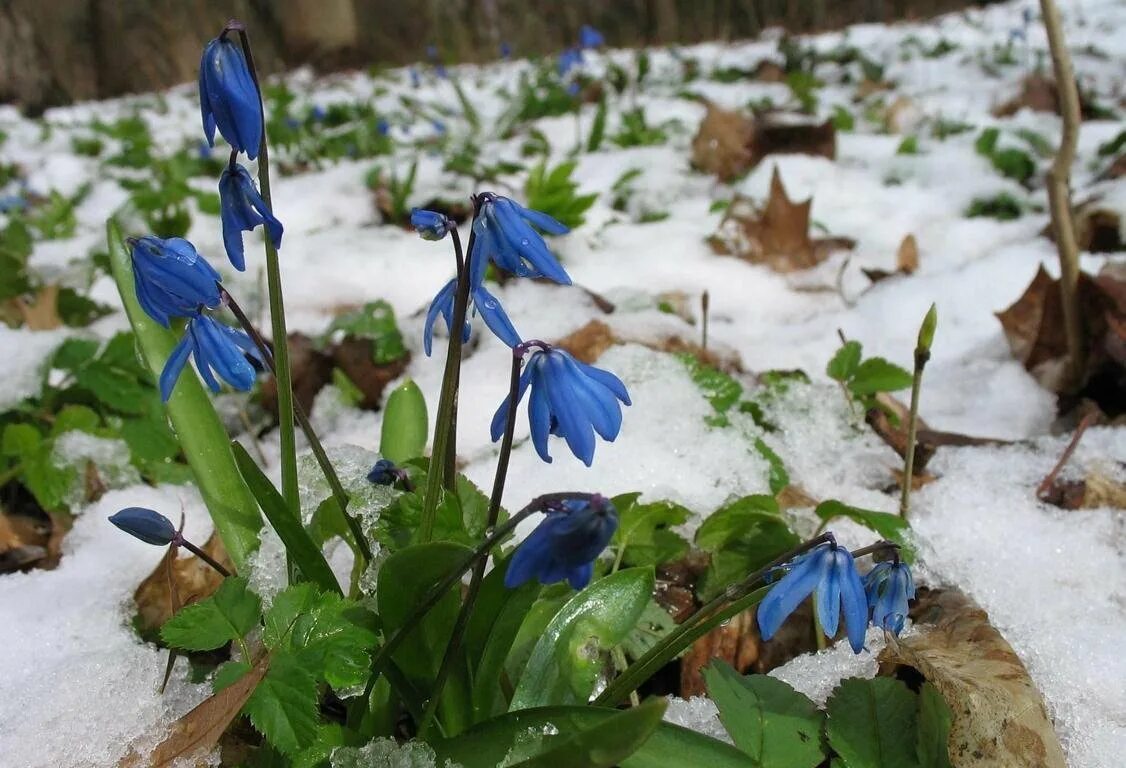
(204, 557)
(450, 458)
(440, 475)
(478, 574)
(361, 545)
(282, 373)
(922, 355)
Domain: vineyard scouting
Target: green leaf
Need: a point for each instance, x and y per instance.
(74, 353)
(597, 128)
(565, 662)
(76, 417)
(844, 363)
(603, 745)
(405, 423)
(742, 536)
(778, 478)
(887, 525)
(374, 321)
(644, 532)
(467, 108)
(334, 640)
(284, 705)
(48, 483)
(228, 673)
(668, 746)
(299, 545)
(211, 623)
(935, 719)
(114, 387)
(654, 624)
(878, 375)
(766, 718)
(873, 723)
(721, 390)
(197, 426)
(987, 141)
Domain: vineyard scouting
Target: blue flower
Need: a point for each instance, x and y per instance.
(430, 225)
(384, 472)
(482, 301)
(443, 304)
(505, 50)
(565, 545)
(416, 80)
(171, 278)
(505, 235)
(242, 209)
(215, 347)
(147, 525)
(568, 60)
(569, 399)
(228, 97)
(829, 573)
(589, 37)
(887, 588)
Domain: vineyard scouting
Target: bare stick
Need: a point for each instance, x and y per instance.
(1043, 491)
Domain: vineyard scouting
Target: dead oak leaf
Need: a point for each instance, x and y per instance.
(906, 261)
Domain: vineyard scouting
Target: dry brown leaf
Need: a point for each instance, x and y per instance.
(999, 718)
(781, 133)
(1096, 491)
(589, 342)
(906, 261)
(736, 641)
(1038, 93)
(768, 71)
(43, 313)
(200, 729)
(191, 580)
(720, 146)
(902, 116)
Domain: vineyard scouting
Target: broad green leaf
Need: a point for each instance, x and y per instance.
(654, 624)
(935, 719)
(603, 745)
(766, 718)
(76, 417)
(878, 375)
(335, 640)
(197, 426)
(405, 424)
(644, 530)
(566, 660)
(374, 321)
(284, 611)
(778, 478)
(299, 545)
(844, 363)
(213, 622)
(544, 609)
(74, 353)
(873, 723)
(889, 526)
(48, 483)
(742, 537)
(668, 746)
(284, 705)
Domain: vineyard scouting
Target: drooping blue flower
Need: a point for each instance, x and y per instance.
(228, 97)
(505, 50)
(829, 574)
(569, 399)
(171, 278)
(589, 37)
(148, 525)
(430, 225)
(483, 302)
(443, 304)
(216, 349)
(385, 472)
(888, 587)
(505, 235)
(565, 545)
(241, 209)
(568, 60)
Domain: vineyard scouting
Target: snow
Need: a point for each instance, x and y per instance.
(1053, 581)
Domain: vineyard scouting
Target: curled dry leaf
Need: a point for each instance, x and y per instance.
(1038, 93)
(999, 717)
(906, 261)
(736, 641)
(591, 340)
(776, 234)
(728, 144)
(43, 313)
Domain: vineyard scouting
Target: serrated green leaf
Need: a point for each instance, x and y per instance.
(766, 718)
(74, 353)
(778, 478)
(844, 363)
(287, 606)
(48, 483)
(405, 424)
(889, 526)
(645, 532)
(935, 720)
(873, 723)
(228, 674)
(742, 536)
(284, 705)
(878, 375)
(565, 662)
(213, 622)
(721, 390)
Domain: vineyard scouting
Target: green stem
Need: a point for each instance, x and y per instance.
(478, 575)
(10, 474)
(283, 374)
(921, 357)
(450, 458)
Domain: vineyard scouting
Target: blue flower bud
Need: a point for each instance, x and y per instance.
(888, 587)
(385, 472)
(228, 97)
(565, 545)
(147, 525)
(171, 278)
(241, 209)
(430, 225)
(215, 347)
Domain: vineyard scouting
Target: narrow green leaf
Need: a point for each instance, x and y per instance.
(844, 362)
(467, 108)
(299, 545)
(934, 728)
(597, 128)
(873, 723)
(197, 426)
(766, 718)
(565, 662)
(603, 745)
(211, 623)
(878, 375)
(284, 705)
(405, 425)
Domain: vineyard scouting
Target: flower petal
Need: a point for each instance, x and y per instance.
(174, 366)
(790, 591)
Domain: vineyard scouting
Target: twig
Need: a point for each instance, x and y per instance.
(1044, 490)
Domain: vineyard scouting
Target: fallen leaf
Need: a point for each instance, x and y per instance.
(1038, 93)
(999, 717)
(735, 641)
(906, 261)
(782, 133)
(353, 356)
(1098, 227)
(776, 234)
(902, 116)
(1095, 491)
(768, 71)
(588, 342)
(720, 146)
(32, 540)
(311, 369)
(43, 313)
(177, 581)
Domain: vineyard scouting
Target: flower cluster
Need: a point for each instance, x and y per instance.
(828, 572)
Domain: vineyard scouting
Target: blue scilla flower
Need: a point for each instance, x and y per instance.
(171, 278)
(829, 573)
(589, 37)
(568, 60)
(228, 97)
(505, 50)
(569, 399)
(241, 209)
(215, 347)
(148, 525)
(505, 235)
(888, 587)
(443, 304)
(483, 302)
(565, 545)
(430, 225)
